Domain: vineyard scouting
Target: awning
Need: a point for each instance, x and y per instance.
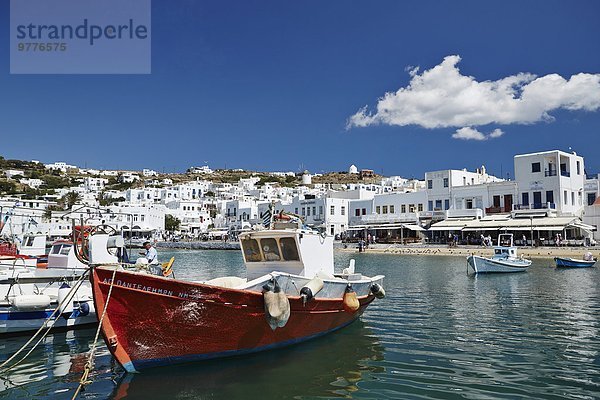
(451, 224)
(522, 224)
(445, 228)
(582, 226)
(413, 227)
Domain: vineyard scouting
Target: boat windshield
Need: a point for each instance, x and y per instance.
(284, 249)
(251, 250)
(61, 249)
(289, 249)
(270, 249)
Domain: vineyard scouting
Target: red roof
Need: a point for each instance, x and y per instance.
(597, 202)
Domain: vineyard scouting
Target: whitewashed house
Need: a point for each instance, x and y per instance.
(550, 181)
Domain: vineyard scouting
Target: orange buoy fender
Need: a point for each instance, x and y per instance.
(351, 303)
(277, 305)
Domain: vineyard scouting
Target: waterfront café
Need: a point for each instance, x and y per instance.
(527, 231)
(404, 233)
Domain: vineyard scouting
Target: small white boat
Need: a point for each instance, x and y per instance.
(29, 295)
(504, 259)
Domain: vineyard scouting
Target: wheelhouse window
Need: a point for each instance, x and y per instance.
(251, 250)
(289, 249)
(270, 249)
(65, 249)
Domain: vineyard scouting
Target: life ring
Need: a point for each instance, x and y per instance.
(283, 217)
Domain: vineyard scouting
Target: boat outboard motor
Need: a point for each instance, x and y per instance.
(377, 290)
(310, 290)
(277, 305)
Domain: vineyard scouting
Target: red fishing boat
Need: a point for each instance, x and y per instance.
(290, 294)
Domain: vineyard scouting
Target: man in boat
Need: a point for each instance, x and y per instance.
(152, 256)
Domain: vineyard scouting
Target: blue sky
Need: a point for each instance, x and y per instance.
(272, 86)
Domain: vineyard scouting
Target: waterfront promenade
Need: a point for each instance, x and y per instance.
(441, 250)
(416, 249)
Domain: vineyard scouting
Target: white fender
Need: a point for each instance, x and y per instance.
(25, 302)
(310, 290)
(66, 307)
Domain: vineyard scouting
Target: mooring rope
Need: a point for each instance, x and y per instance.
(89, 364)
(68, 298)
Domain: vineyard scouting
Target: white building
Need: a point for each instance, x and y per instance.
(329, 214)
(128, 177)
(149, 172)
(592, 190)
(193, 214)
(61, 166)
(94, 184)
(10, 173)
(550, 180)
(353, 169)
(440, 184)
(32, 183)
(200, 170)
(306, 178)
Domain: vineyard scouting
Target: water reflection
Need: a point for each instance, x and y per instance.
(333, 365)
(438, 334)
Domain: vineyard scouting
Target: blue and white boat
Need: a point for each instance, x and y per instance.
(504, 259)
(29, 296)
(564, 262)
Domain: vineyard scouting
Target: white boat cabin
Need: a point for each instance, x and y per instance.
(505, 248)
(62, 255)
(33, 245)
(298, 252)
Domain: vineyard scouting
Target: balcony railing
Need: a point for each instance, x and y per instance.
(534, 206)
(551, 172)
(497, 210)
(565, 173)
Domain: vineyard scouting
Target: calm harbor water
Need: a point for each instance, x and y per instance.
(439, 334)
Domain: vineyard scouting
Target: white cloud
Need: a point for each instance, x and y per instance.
(496, 133)
(468, 133)
(442, 97)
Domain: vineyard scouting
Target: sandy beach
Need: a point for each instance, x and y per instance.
(432, 250)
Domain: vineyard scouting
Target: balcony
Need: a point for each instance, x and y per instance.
(551, 172)
(497, 210)
(534, 206)
(465, 213)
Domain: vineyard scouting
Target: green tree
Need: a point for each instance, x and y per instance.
(172, 223)
(69, 200)
(7, 187)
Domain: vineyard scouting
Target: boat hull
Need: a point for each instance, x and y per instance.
(488, 265)
(17, 322)
(153, 321)
(573, 263)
